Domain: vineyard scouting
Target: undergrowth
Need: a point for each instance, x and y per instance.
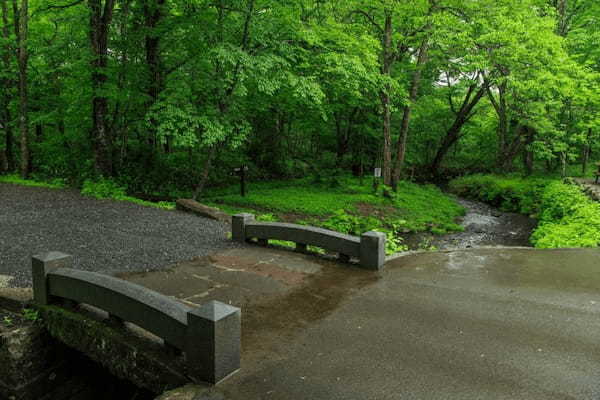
(509, 193)
(17, 180)
(348, 207)
(567, 217)
(108, 189)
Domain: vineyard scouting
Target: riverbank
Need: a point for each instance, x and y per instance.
(483, 225)
(568, 217)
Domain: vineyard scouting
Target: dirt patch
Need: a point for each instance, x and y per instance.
(10, 321)
(378, 211)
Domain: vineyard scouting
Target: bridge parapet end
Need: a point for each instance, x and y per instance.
(208, 335)
(213, 348)
(41, 265)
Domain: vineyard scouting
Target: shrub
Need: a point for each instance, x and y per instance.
(103, 189)
(509, 193)
(568, 219)
(109, 189)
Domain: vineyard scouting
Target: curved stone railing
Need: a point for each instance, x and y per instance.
(368, 248)
(208, 335)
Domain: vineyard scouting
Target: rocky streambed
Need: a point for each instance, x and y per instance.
(484, 226)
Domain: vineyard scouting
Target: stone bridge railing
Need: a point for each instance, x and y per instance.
(369, 248)
(209, 335)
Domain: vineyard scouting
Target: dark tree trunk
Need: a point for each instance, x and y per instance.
(387, 57)
(344, 133)
(21, 15)
(205, 172)
(153, 15)
(585, 157)
(6, 86)
(39, 132)
(528, 156)
(453, 133)
(412, 97)
(100, 20)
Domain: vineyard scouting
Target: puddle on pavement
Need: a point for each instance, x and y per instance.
(321, 294)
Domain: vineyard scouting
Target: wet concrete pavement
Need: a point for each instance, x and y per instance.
(472, 324)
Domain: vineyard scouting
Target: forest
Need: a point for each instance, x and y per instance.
(166, 98)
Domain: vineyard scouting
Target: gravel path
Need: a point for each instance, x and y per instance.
(103, 235)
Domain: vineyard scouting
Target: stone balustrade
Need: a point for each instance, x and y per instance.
(209, 336)
(369, 248)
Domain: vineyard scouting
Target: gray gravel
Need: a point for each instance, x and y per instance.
(103, 235)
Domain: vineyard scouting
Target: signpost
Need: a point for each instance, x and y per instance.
(242, 173)
(376, 177)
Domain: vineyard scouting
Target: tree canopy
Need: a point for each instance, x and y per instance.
(176, 93)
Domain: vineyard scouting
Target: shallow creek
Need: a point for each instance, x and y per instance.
(484, 226)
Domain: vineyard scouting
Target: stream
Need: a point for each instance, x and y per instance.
(484, 226)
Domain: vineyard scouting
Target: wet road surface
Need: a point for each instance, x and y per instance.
(502, 323)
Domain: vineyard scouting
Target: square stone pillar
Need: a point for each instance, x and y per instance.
(372, 250)
(213, 348)
(41, 265)
(238, 226)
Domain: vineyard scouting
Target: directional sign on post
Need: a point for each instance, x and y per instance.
(242, 172)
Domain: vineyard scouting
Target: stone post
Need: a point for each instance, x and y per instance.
(41, 265)
(372, 250)
(213, 348)
(238, 226)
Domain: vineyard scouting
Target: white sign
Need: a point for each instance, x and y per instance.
(377, 172)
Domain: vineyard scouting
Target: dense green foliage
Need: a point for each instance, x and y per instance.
(510, 193)
(169, 96)
(348, 207)
(568, 219)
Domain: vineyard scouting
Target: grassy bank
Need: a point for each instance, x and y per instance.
(347, 206)
(103, 189)
(567, 217)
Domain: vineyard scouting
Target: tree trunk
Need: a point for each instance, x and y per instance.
(586, 152)
(21, 15)
(412, 97)
(6, 85)
(453, 134)
(153, 14)
(100, 20)
(387, 60)
(205, 172)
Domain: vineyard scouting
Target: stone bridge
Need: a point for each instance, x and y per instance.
(489, 323)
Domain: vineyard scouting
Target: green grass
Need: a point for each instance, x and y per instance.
(108, 189)
(17, 180)
(104, 189)
(346, 206)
